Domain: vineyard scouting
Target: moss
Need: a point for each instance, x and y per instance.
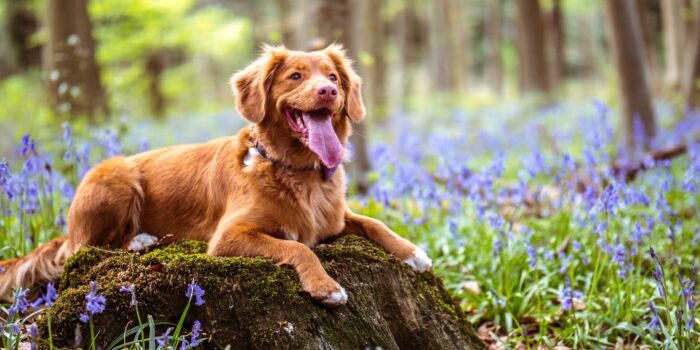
(256, 304)
(80, 263)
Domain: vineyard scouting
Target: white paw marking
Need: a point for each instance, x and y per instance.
(336, 298)
(419, 261)
(142, 241)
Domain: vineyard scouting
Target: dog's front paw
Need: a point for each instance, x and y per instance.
(419, 261)
(141, 242)
(328, 292)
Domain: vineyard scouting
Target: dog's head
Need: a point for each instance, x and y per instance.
(301, 102)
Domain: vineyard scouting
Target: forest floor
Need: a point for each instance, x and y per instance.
(522, 210)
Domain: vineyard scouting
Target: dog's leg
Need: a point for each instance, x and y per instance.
(244, 241)
(379, 233)
(107, 205)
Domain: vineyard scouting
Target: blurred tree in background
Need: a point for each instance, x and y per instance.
(92, 59)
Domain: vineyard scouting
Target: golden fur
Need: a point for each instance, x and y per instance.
(217, 192)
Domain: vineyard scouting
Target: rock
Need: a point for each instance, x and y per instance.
(253, 304)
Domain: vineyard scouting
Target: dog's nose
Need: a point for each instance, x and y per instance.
(327, 92)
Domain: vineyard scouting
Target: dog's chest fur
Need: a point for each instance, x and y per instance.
(313, 209)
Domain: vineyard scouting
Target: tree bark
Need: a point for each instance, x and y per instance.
(375, 73)
(409, 31)
(73, 80)
(533, 71)
(21, 24)
(649, 13)
(494, 38)
(287, 25)
(674, 40)
(449, 53)
(556, 37)
(250, 303)
(691, 67)
(629, 52)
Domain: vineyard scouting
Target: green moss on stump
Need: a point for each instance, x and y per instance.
(252, 303)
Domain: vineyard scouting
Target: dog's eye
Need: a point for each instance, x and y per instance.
(333, 77)
(295, 76)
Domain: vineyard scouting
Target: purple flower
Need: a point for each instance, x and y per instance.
(34, 335)
(655, 318)
(196, 329)
(658, 273)
(28, 146)
(164, 339)
(567, 296)
(499, 300)
(95, 303)
(195, 290)
(532, 255)
(21, 304)
(130, 289)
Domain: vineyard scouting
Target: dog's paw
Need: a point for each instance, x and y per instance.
(328, 293)
(335, 299)
(141, 242)
(419, 261)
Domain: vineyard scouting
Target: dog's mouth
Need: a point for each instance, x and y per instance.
(315, 130)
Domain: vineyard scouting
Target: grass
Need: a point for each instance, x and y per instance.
(518, 207)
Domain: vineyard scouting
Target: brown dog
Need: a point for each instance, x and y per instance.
(276, 189)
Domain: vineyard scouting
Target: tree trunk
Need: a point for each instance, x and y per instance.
(556, 33)
(674, 40)
(629, 53)
(649, 13)
(73, 80)
(250, 303)
(409, 31)
(494, 38)
(287, 26)
(449, 53)
(21, 24)
(533, 69)
(691, 68)
(375, 72)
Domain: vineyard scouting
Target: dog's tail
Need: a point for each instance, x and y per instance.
(43, 264)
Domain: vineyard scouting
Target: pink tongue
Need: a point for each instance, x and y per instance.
(322, 138)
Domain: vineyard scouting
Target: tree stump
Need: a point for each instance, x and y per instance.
(251, 303)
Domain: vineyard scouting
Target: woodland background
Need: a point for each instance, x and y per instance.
(544, 153)
(102, 59)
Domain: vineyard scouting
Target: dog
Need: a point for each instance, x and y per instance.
(275, 189)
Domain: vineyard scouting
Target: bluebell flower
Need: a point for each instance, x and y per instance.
(28, 147)
(51, 295)
(499, 300)
(195, 290)
(95, 303)
(21, 303)
(164, 339)
(658, 273)
(33, 335)
(576, 246)
(130, 289)
(196, 329)
(532, 255)
(655, 316)
(567, 296)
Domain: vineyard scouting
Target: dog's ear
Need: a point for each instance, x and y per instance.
(350, 82)
(252, 85)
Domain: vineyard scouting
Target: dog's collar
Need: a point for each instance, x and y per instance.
(326, 173)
